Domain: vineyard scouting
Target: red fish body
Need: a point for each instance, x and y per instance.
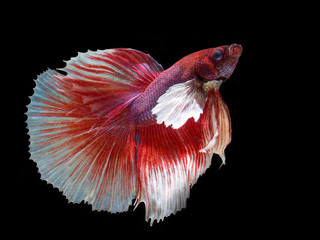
(118, 127)
(146, 101)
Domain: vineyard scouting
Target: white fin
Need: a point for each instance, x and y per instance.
(179, 103)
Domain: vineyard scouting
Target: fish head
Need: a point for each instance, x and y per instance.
(217, 63)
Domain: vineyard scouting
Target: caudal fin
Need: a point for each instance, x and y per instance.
(81, 135)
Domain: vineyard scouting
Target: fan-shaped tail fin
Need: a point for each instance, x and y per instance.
(81, 134)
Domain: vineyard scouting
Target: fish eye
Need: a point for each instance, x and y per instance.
(217, 54)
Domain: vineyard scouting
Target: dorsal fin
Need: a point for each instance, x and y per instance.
(120, 65)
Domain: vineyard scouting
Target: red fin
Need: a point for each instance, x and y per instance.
(170, 160)
(81, 135)
(220, 122)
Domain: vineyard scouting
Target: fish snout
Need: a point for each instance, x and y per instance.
(235, 49)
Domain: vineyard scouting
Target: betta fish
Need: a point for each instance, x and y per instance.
(113, 126)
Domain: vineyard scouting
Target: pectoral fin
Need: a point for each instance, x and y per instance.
(179, 103)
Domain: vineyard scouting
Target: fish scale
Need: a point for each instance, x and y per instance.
(142, 106)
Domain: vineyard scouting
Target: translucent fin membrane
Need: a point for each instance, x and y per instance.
(171, 160)
(80, 134)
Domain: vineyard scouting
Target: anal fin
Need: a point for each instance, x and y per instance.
(169, 163)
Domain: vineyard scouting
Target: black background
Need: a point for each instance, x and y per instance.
(237, 199)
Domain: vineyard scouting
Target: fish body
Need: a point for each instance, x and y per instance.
(118, 127)
(183, 70)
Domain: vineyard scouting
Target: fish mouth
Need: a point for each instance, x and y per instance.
(235, 49)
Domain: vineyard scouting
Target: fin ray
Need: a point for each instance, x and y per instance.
(81, 135)
(170, 160)
(179, 103)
